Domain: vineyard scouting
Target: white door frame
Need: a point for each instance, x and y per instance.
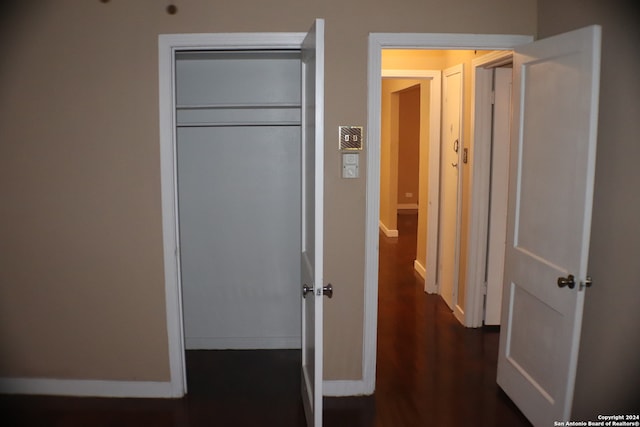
(433, 145)
(377, 42)
(168, 45)
(480, 171)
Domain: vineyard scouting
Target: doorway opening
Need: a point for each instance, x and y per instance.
(407, 124)
(237, 120)
(439, 119)
(195, 124)
(378, 43)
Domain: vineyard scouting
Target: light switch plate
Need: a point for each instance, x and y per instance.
(351, 138)
(350, 165)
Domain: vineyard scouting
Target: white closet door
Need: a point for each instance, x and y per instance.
(239, 214)
(312, 248)
(449, 233)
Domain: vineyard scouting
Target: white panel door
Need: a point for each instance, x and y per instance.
(312, 220)
(550, 197)
(449, 185)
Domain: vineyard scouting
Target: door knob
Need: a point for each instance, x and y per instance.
(328, 290)
(305, 290)
(567, 281)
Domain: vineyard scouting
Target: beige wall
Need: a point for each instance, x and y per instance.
(81, 283)
(608, 377)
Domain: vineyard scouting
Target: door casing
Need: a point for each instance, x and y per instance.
(378, 42)
(168, 45)
(481, 135)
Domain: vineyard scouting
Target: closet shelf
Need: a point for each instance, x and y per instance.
(236, 106)
(235, 124)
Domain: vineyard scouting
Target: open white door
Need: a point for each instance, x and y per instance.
(556, 83)
(312, 220)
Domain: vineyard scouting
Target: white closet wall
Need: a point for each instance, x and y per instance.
(238, 149)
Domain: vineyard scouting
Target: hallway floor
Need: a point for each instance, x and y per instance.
(431, 372)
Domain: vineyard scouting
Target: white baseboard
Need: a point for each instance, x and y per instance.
(338, 388)
(419, 268)
(87, 388)
(387, 232)
(403, 206)
(459, 314)
(242, 343)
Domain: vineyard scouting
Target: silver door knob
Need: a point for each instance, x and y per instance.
(328, 290)
(305, 290)
(567, 281)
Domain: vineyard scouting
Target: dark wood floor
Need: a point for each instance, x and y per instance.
(431, 372)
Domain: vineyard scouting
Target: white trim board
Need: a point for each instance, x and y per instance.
(407, 206)
(95, 388)
(480, 172)
(377, 42)
(458, 312)
(419, 268)
(388, 232)
(337, 388)
(243, 343)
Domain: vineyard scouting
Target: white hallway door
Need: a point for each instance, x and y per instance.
(556, 84)
(311, 259)
(448, 234)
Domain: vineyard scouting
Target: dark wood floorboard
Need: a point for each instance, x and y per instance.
(431, 372)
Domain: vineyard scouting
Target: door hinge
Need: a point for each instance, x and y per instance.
(484, 288)
(493, 97)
